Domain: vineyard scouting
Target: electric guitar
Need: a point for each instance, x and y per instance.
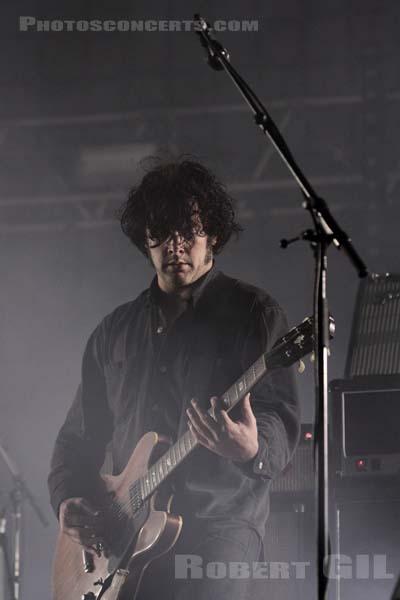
(138, 505)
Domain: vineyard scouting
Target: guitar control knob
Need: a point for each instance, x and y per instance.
(89, 596)
(301, 367)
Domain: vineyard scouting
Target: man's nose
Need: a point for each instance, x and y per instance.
(176, 242)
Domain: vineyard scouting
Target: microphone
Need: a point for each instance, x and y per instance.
(212, 47)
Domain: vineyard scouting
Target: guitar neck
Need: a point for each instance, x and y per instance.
(160, 470)
(298, 342)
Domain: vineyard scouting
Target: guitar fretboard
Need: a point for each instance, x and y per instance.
(298, 342)
(160, 470)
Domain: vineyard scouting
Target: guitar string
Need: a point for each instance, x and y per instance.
(278, 349)
(130, 503)
(285, 340)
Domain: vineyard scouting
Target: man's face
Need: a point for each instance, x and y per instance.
(179, 262)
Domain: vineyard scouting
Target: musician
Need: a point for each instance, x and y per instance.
(158, 362)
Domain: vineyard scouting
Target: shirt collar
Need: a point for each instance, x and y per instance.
(154, 292)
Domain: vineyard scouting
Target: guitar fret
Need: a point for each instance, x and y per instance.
(259, 367)
(182, 447)
(256, 371)
(142, 490)
(173, 454)
(147, 484)
(178, 452)
(156, 477)
(250, 375)
(239, 387)
(153, 478)
(233, 392)
(185, 445)
(168, 465)
(244, 379)
(264, 364)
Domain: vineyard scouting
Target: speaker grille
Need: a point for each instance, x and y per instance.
(375, 339)
(299, 474)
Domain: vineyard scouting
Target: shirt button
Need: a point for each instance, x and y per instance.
(163, 369)
(260, 465)
(160, 329)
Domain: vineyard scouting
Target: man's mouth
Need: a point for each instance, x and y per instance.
(178, 266)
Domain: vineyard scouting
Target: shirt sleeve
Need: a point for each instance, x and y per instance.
(273, 399)
(80, 445)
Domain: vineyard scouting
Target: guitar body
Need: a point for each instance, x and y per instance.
(137, 537)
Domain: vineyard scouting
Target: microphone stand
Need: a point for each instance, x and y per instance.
(326, 231)
(20, 493)
(5, 567)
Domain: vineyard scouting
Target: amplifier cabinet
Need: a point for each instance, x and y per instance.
(374, 347)
(289, 546)
(365, 427)
(367, 549)
(299, 475)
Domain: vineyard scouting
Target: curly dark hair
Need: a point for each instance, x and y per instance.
(166, 200)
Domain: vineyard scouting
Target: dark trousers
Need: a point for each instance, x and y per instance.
(210, 563)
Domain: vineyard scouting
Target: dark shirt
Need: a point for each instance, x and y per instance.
(139, 374)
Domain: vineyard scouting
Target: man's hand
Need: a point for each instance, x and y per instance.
(82, 522)
(236, 440)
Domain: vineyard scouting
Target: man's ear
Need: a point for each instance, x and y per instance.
(146, 250)
(213, 240)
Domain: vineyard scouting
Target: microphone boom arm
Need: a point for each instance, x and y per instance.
(219, 59)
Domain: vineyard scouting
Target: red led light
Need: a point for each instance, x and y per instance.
(361, 463)
(308, 435)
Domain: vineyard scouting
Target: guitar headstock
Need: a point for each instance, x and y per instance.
(298, 342)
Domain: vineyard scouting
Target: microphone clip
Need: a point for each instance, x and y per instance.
(213, 48)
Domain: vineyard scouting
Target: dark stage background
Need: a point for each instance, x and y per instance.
(79, 110)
